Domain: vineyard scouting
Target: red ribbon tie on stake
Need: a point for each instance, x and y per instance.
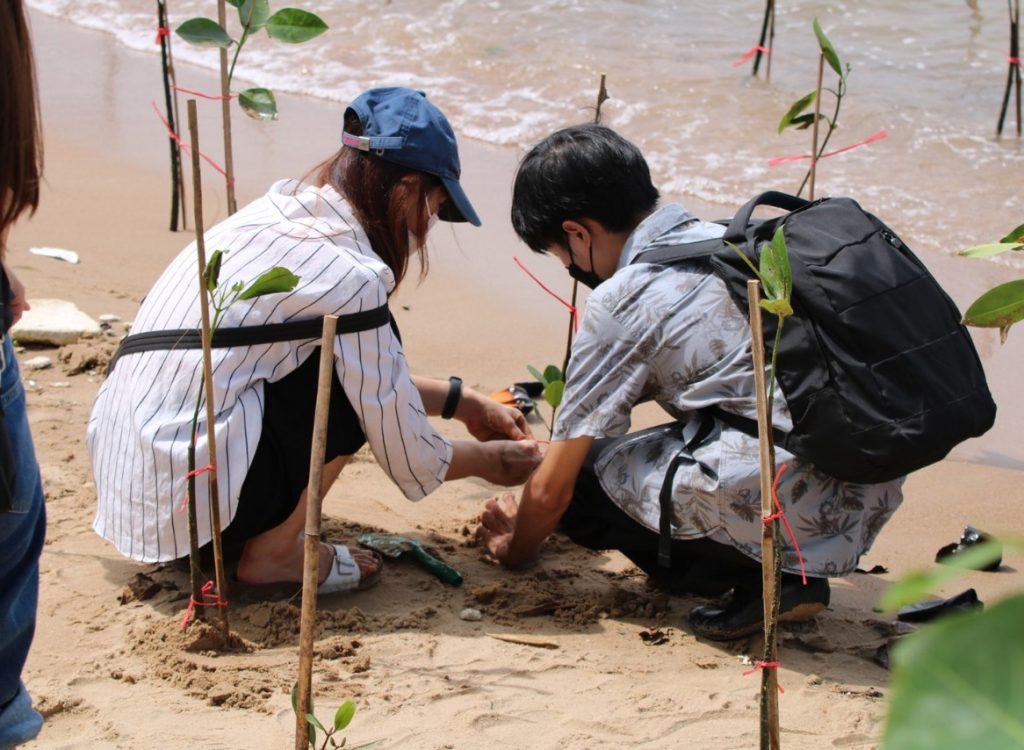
(1014, 61)
(195, 473)
(200, 94)
(779, 514)
(750, 53)
(185, 147)
(572, 310)
(765, 665)
(161, 32)
(210, 599)
(783, 159)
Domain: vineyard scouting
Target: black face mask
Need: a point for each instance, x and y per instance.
(589, 279)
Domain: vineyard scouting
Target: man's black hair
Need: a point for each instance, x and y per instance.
(582, 171)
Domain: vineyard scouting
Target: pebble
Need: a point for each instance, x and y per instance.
(471, 615)
(38, 363)
(109, 318)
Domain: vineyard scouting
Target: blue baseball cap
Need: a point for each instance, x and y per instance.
(402, 127)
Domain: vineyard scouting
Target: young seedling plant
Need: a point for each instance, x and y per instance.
(1003, 305)
(554, 387)
(798, 118)
(275, 281)
(289, 25)
(776, 278)
(342, 718)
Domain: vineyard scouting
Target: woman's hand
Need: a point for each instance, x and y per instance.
(497, 525)
(515, 461)
(486, 419)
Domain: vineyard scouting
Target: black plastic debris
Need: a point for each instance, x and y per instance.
(970, 538)
(875, 570)
(965, 601)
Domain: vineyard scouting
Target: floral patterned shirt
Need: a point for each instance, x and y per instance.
(674, 335)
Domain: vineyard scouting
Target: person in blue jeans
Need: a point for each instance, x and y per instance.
(22, 512)
(22, 530)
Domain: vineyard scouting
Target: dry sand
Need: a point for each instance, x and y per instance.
(109, 670)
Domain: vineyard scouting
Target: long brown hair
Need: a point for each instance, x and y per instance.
(377, 191)
(21, 143)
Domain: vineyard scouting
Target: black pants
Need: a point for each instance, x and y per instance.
(280, 469)
(699, 566)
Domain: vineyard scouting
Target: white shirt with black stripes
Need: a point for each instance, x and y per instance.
(138, 432)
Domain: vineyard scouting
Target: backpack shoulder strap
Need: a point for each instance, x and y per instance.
(223, 338)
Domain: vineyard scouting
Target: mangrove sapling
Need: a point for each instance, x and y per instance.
(775, 276)
(796, 117)
(554, 387)
(1001, 306)
(342, 718)
(1013, 76)
(289, 25)
(275, 281)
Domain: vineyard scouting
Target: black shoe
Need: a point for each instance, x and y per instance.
(745, 613)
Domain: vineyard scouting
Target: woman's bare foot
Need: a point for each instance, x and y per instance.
(261, 563)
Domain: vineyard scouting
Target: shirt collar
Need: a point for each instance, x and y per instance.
(670, 224)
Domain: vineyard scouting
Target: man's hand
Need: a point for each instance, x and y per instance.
(497, 525)
(486, 419)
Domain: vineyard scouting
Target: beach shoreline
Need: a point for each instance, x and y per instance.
(111, 670)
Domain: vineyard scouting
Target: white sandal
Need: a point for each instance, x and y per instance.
(344, 574)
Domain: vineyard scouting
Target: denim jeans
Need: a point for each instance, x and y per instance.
(22, 530)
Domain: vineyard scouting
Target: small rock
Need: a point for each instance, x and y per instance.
(53, 321)
(471, 615)
(38, 363)
(220, 693)
(813, 679)
(361, 665)
(109, 318)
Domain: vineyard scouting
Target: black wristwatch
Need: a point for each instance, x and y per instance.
(451, 403)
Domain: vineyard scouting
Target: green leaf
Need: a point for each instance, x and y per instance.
(552, 373)
(203, 32)
(995, 248)
(258, 103)
(294, 26)
(212, 273)
(553, 393)
(920, 584)
(536, 374)
(344, 715)
(275, 281)
(775, 272)
(956, 683)
(255, 12)
(234, 3)
(999, 307)
(805, 121)
(743, 256)
(827, 49)
(777, 307)
(295, 697)
(1017, 235)
(797, 107)
(315, 722)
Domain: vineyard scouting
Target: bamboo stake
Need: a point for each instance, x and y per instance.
(311, 551)
(602, 97)
(225, 109)
(817, 114)
(177, 130)
(170, 106)
(770, 738)
(211, 437)
(1013, 74)
(767, 32)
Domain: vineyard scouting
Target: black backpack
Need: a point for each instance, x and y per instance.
(880, 375)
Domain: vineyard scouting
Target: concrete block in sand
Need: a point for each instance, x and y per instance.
(54, 321)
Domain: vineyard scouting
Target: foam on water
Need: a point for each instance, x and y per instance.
(510, 71)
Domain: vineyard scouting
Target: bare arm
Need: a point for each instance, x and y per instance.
(514, 534)
(485, 418)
